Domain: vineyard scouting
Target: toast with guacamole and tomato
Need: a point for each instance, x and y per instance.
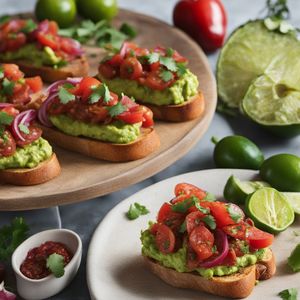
(25, 157)
(157, 78)
(38, 49)
(82, 115)
(207, 245)
(23, 92)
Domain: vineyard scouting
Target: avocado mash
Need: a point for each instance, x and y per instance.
(177, 260)
(183, 89)
(28, 157)
(44, 57)
(116, 132)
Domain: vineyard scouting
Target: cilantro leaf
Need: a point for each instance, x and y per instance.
(169, 63)
(166, 75)
(181, 69)
(30, 25)
(234, 213)
(116, 109)
(1, 73)
(288, 294)
(182, 228)
(100, 91)
(24, 128)
(202, 209)
(8, 87)
(210, 222)
(136, 210)
(169, 52)
(209, 197)
(11, 237)
(153, 57)
(64, 95)
(5, 118)
(183, 206)
(4, 19)
(55, 263)
(128, 30)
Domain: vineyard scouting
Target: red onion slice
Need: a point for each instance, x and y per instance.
(25, 118)
(6, 295)
(129, 103)
(42, 112)
(3, 105)
(53, 88)
(221, 242)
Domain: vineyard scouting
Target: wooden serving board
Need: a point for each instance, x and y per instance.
(82, 177)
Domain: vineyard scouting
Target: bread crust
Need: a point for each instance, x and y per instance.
(189, 110)
(78, 67)
(239, 285)
(44, 172)
(147, 143)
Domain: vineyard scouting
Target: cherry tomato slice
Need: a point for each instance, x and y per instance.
(189, 189)
(20, 94)
(34, 134)
(34, 83)
(52, 27)
(10, 110)
(192, 258)
(230, 259)
(48, 40)
(237, 231)
(131, 117)
(202, 241)
(220, 213)
(107, 71)
(155, 82)
(15, 43)
(7, 144)
(164, 238)
(193, 220)
(114, 98)
(131, 68)
(115, 61)
(169, 217)
(12, 72)
(258, 239)
(147, 116)
(85, 87)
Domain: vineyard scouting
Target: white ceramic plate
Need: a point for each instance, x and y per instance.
(115, 269)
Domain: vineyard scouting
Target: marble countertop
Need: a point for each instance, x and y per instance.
(84, 217)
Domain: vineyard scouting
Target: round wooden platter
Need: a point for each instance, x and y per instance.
(82, 177)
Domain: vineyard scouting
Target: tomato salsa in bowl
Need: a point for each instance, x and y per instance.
(34, 279)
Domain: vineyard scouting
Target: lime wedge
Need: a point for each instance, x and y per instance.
(237, 191)
(269, 210)
(248, 52)
(294, 200)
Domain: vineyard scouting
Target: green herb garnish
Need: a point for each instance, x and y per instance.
(153, 57)
(209, 197)
(8, 87)
(24, 128)
(166, 75)
(1, 73)
(210, 222)
(55, 263)
(234, 215)
(11, 237)
(128, 30)
(99, 92)
(30, 25)
(64, 95)
(169, 63)
(288, 294)
(136, 210)
(116, 109)
(5, 118)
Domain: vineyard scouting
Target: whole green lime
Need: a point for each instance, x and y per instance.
(282, 171)
(61, 11)
(97, 10)
(237, 152)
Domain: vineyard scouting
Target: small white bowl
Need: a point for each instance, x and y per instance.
(37, 289)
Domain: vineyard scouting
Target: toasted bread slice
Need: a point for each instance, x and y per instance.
(192, 109)
(239, 285)
(45, 171)
(147, 143)
(79, 67)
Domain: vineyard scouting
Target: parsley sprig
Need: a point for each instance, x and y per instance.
(136, 210)
(288, 294)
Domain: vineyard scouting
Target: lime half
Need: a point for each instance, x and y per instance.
(294, 200)
(270, 210)
(248, 52)
(237, 191)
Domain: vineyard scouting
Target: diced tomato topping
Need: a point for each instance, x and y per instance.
(258, 239)
(193, 220)
(10, 110)
(237, 231)
(230, 259)
(85, 87)
(7, 144)
(164, 238)
(12, 72)
(131, 68)
(20, 94)
(35, 83)
(189, 189)
(169, 217)
(34, 134)
(115, 61)
(131, 117)
(107, 71)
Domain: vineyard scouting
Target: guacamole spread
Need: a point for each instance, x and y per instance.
(183, 89)
(177, 260)
(28, 157)
(116, 132)
(43, 57)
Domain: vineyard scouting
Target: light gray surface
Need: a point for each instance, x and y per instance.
(84, 217)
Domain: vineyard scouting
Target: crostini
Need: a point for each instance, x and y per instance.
(157, 78)
(25, 157)
(207, 245)
(82, 115)
(24, 93)
(38, 49)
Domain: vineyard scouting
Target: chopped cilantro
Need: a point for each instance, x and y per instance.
(11, 236)
(5, 118)
(30, 25)
(64, 95)
(128, 30)
(1, 73)
(116, 109)
(166, 75)
(153, 57)
(100, 91)
(136, 210)
(209, 197)
(4, 19)
(181, 69)
(210, 222)
(170, 52)
(182, 228)
(245, 248)
(24, 128)
(200, 208)
(55, 263)
(288, 294)
(214, 249)
(169, 63)
(183, 206)
(8, 87)
(235, 215)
